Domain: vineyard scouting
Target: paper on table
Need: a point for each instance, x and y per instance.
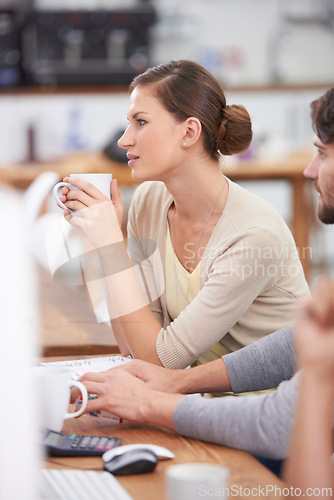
(79, 367)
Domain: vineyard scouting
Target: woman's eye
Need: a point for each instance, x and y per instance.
(141, 122)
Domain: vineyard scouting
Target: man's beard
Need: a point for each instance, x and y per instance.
(326, 214)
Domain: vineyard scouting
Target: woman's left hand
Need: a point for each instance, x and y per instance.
(100, 219)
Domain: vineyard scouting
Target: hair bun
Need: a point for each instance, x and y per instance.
(235, 133)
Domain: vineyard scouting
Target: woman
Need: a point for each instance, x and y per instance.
(220, 266)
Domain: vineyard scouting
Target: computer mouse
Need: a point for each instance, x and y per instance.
(159, 451)
(137, 461)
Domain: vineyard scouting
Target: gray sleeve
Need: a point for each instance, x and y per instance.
(259, 424)
(263, 364)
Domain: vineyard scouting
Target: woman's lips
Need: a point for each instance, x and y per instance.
(132, 159)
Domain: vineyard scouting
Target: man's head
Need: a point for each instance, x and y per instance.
(321, 168)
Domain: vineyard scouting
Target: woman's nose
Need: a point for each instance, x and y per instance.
(124, 141)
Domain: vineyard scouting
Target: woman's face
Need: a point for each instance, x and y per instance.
(153, 138)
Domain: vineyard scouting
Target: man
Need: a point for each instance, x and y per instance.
(260, 424)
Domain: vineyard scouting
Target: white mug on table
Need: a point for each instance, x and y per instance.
(100, 181)
(53, 390)
(191, 481)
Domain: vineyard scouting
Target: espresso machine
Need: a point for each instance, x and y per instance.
(10, 53)
(57, 44)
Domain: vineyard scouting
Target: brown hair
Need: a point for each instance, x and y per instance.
(187, 89)
(322, 113)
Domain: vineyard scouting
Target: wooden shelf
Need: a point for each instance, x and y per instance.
(21, 175)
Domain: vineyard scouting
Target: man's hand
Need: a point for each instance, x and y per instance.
(126, 396)
(315, 331)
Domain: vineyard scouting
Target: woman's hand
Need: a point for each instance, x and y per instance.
(155, 377)
(100, 219)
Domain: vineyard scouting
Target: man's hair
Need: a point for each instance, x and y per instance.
(322, 113)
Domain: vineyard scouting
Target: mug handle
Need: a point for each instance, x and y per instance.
(55, 194)
(84, 395)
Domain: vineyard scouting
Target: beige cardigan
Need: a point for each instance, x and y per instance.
(251, 276)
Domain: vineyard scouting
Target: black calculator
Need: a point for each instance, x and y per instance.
(76, 445)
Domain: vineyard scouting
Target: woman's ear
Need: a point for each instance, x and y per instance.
(192, 131)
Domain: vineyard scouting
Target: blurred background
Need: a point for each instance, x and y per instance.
(65, 66)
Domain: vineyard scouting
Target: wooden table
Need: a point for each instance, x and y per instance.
(68, 323)
(289, 168)
(245, 471)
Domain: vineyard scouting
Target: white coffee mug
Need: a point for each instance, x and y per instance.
(53, 389)
(192, 481)
(100, 181)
